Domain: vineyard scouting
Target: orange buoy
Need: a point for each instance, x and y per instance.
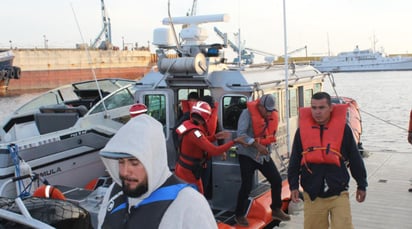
(48, 191)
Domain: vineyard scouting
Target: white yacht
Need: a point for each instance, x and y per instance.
(363, 60)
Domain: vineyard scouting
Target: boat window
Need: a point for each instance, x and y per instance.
(232, 107)
(156, 107)
(307, 97)
(317, 87)
(119, 99)
(46, 99)
(293, 107)
(183, 95)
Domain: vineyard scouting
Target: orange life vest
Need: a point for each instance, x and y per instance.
(187, 105)
(263, 132)
(212, 122)
(327, 149)
(410, 122)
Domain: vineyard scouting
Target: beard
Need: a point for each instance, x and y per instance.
(134, 192)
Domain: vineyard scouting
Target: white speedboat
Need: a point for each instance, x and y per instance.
(362, 61)
(60, 132)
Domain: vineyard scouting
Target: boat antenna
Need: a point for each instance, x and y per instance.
(286, 79)
(173, 28)
(89, 58)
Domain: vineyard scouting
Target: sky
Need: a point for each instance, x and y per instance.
(323, 26)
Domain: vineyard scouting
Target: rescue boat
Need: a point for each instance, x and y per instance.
(353, 118)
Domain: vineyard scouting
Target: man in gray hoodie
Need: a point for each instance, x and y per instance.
(145, 194)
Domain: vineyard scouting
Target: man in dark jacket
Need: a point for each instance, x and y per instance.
(322, 150)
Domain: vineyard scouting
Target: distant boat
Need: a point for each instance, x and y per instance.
(362, 61)
(7, 70)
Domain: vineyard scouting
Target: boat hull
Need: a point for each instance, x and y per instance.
(51, 68)
(405, 66)
(65, 160)
(32, 80)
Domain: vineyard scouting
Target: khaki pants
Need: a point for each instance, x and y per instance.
(336, 208)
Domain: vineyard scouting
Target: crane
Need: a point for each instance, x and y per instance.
(106, 31)
(246, 58)
(269, 57)
(298, 50)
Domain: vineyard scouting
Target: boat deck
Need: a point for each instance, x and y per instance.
(388, 203)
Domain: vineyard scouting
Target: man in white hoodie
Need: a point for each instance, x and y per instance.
(145, 194)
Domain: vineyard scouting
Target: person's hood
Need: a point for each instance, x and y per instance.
(142, 137)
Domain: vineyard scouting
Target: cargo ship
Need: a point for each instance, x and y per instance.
(51, 68)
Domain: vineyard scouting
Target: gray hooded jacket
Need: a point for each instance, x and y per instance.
(143, 138)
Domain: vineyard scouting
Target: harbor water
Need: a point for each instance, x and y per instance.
(384, 98)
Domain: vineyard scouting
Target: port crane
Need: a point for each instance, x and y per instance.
(106, 32)
(298, 50)
(245, 56)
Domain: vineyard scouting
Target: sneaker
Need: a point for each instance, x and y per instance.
(280, 215)
(241, 221)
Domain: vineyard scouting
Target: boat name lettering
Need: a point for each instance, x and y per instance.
(50, 172)
(78, 133)
(74, 134)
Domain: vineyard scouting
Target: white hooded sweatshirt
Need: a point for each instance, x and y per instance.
(143, 138)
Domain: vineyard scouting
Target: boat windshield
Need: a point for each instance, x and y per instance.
(121, 98)
(73, 94)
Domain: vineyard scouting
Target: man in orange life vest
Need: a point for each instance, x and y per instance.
(410, 135)
(258, 123)
(196, 145)
(322, 148)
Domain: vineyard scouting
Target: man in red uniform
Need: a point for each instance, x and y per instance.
(410, 135)
(196, 145)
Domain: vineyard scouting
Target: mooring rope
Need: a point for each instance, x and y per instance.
(383, 120)
(333, 84)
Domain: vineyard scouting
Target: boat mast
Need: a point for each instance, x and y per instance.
(286, 79)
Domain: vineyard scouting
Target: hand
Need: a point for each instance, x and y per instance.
(240, 140)
(360, 195)
(294, 195)
(223, 135)
(410, 137)
(261, 148)
(224, 156)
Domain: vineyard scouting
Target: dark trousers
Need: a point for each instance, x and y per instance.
(247, 169)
